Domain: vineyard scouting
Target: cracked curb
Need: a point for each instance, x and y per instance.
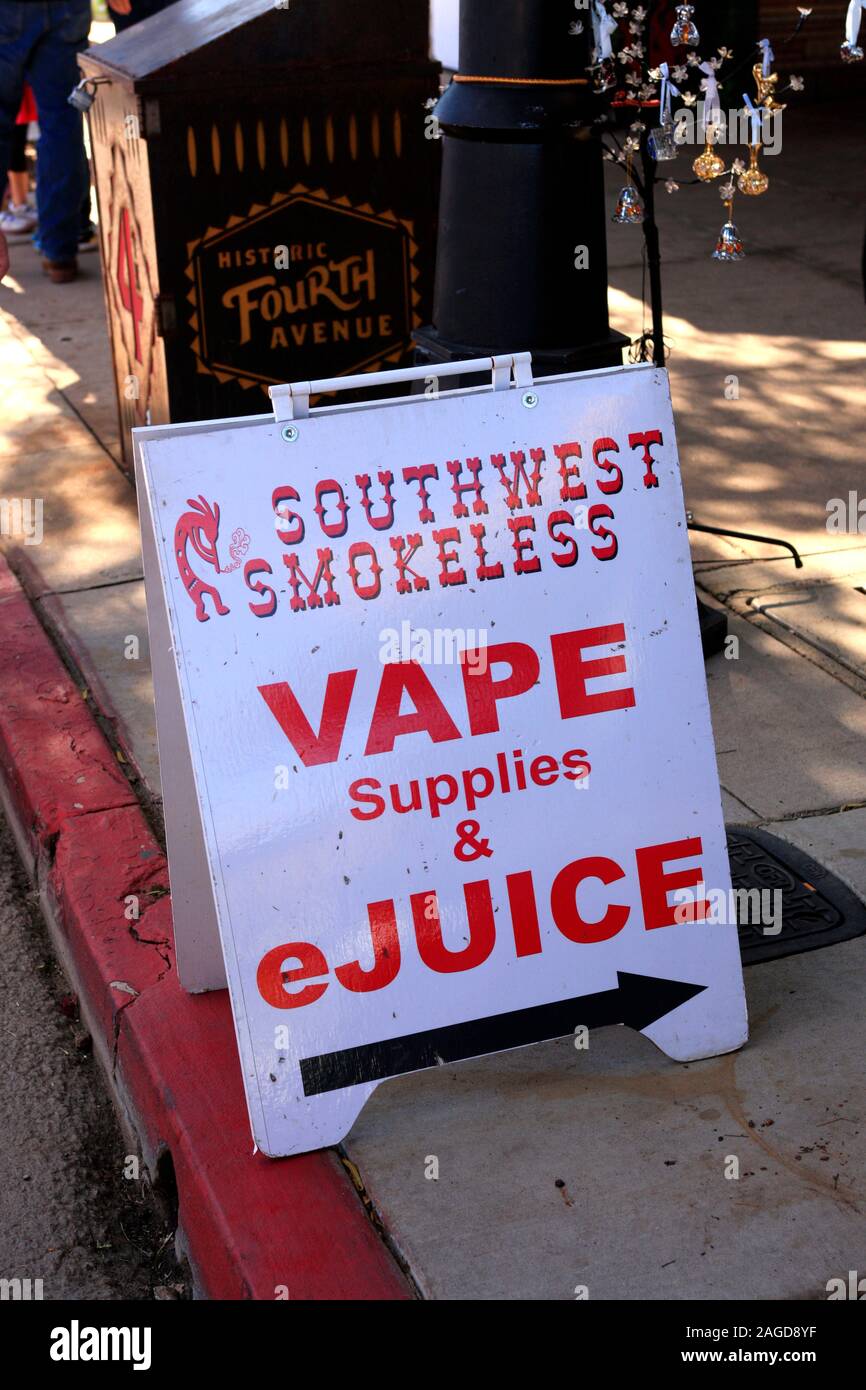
(248, 1224)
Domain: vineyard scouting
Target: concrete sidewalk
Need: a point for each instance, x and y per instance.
(560, 1169)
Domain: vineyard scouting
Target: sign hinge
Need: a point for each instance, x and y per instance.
(292, 401)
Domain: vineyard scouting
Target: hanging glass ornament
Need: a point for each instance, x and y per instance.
(766, 79)
(766, 87)
(753, 181)
(603, 76)
(628, 211)
(729, 246)
(713, 118)
(603, 68)
(661, 141)
(709, 165)
(685, 31)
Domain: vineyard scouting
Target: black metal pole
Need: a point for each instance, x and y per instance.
(522, 259)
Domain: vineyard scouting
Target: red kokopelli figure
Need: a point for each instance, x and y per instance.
(200, 528)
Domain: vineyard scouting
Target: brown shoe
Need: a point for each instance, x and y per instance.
(60, 272)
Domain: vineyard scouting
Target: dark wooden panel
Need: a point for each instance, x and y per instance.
(333, 163)
(195, 38)
(129, 258)
(346, 180)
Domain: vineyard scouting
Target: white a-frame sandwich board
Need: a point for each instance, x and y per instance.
(437, 763)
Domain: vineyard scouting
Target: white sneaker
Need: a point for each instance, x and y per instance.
(19, 220)
(88, 238)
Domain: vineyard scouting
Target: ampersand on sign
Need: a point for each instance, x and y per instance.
(469, 846)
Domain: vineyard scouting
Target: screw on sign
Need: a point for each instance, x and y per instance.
(425, 885)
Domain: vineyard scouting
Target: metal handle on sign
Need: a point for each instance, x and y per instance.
(292, 401)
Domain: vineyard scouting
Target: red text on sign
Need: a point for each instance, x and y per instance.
(504, 671)
(291, 986)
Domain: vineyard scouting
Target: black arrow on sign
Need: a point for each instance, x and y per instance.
(637, 1001)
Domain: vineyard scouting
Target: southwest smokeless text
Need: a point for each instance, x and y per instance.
(445, 555)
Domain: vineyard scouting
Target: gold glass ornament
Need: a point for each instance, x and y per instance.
(753, 181)
(767, 89)
(709, 165)
(685, 31)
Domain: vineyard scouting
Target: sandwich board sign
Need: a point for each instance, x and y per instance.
(436, 750)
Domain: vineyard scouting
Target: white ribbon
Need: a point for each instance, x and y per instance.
(603, 25)
(852, 22)
(712, 104)
(756, 115)
(668, 90)
(769, 55)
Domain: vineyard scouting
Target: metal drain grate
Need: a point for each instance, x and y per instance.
(817, 908)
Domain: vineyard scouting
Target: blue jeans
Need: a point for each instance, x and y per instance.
(39, 41)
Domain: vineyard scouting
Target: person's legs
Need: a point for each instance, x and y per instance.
(19, 187)
(52, 73)
(16, 38)
(19, 219)
(19, 179)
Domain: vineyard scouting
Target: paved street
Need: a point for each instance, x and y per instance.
(68, 1216)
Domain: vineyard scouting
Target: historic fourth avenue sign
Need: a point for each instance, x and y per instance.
(436, 754)
(339, 290)
(268, 181)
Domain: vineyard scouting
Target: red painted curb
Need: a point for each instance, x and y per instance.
(54, 762)
(252, 1227)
